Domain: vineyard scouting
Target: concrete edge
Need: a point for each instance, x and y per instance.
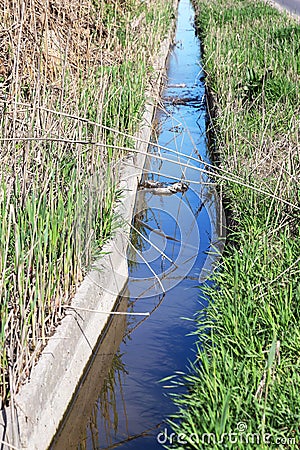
(36, 411)
(283, 9)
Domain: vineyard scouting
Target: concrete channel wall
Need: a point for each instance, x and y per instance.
(35, 412)
(291, 7)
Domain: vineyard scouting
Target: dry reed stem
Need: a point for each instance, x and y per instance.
(57, 57)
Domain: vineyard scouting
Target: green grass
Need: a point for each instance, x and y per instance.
(84, 69)
(248, 359)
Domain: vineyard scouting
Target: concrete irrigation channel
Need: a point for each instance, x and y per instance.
(96, 383)
(176, 239)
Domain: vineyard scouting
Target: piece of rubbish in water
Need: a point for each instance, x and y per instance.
(178, 85)
(158, 187)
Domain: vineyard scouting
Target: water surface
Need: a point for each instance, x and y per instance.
(122, 403)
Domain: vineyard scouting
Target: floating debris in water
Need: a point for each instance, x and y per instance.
(177, 85)
(158, 187)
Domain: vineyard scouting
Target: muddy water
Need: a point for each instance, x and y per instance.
(122, 403)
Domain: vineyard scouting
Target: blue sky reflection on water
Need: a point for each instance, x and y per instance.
(163, 345)
(130, 415)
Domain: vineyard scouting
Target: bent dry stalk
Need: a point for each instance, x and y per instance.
(52, 221)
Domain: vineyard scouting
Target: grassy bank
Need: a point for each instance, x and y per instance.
(244, 387)
(73, 79)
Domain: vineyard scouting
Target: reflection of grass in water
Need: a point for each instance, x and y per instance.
(108, 408)
(136, 238)
(107, 403)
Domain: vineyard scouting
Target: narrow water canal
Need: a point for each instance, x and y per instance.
(122, 403)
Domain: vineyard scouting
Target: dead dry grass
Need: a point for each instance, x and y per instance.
(72, 80)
